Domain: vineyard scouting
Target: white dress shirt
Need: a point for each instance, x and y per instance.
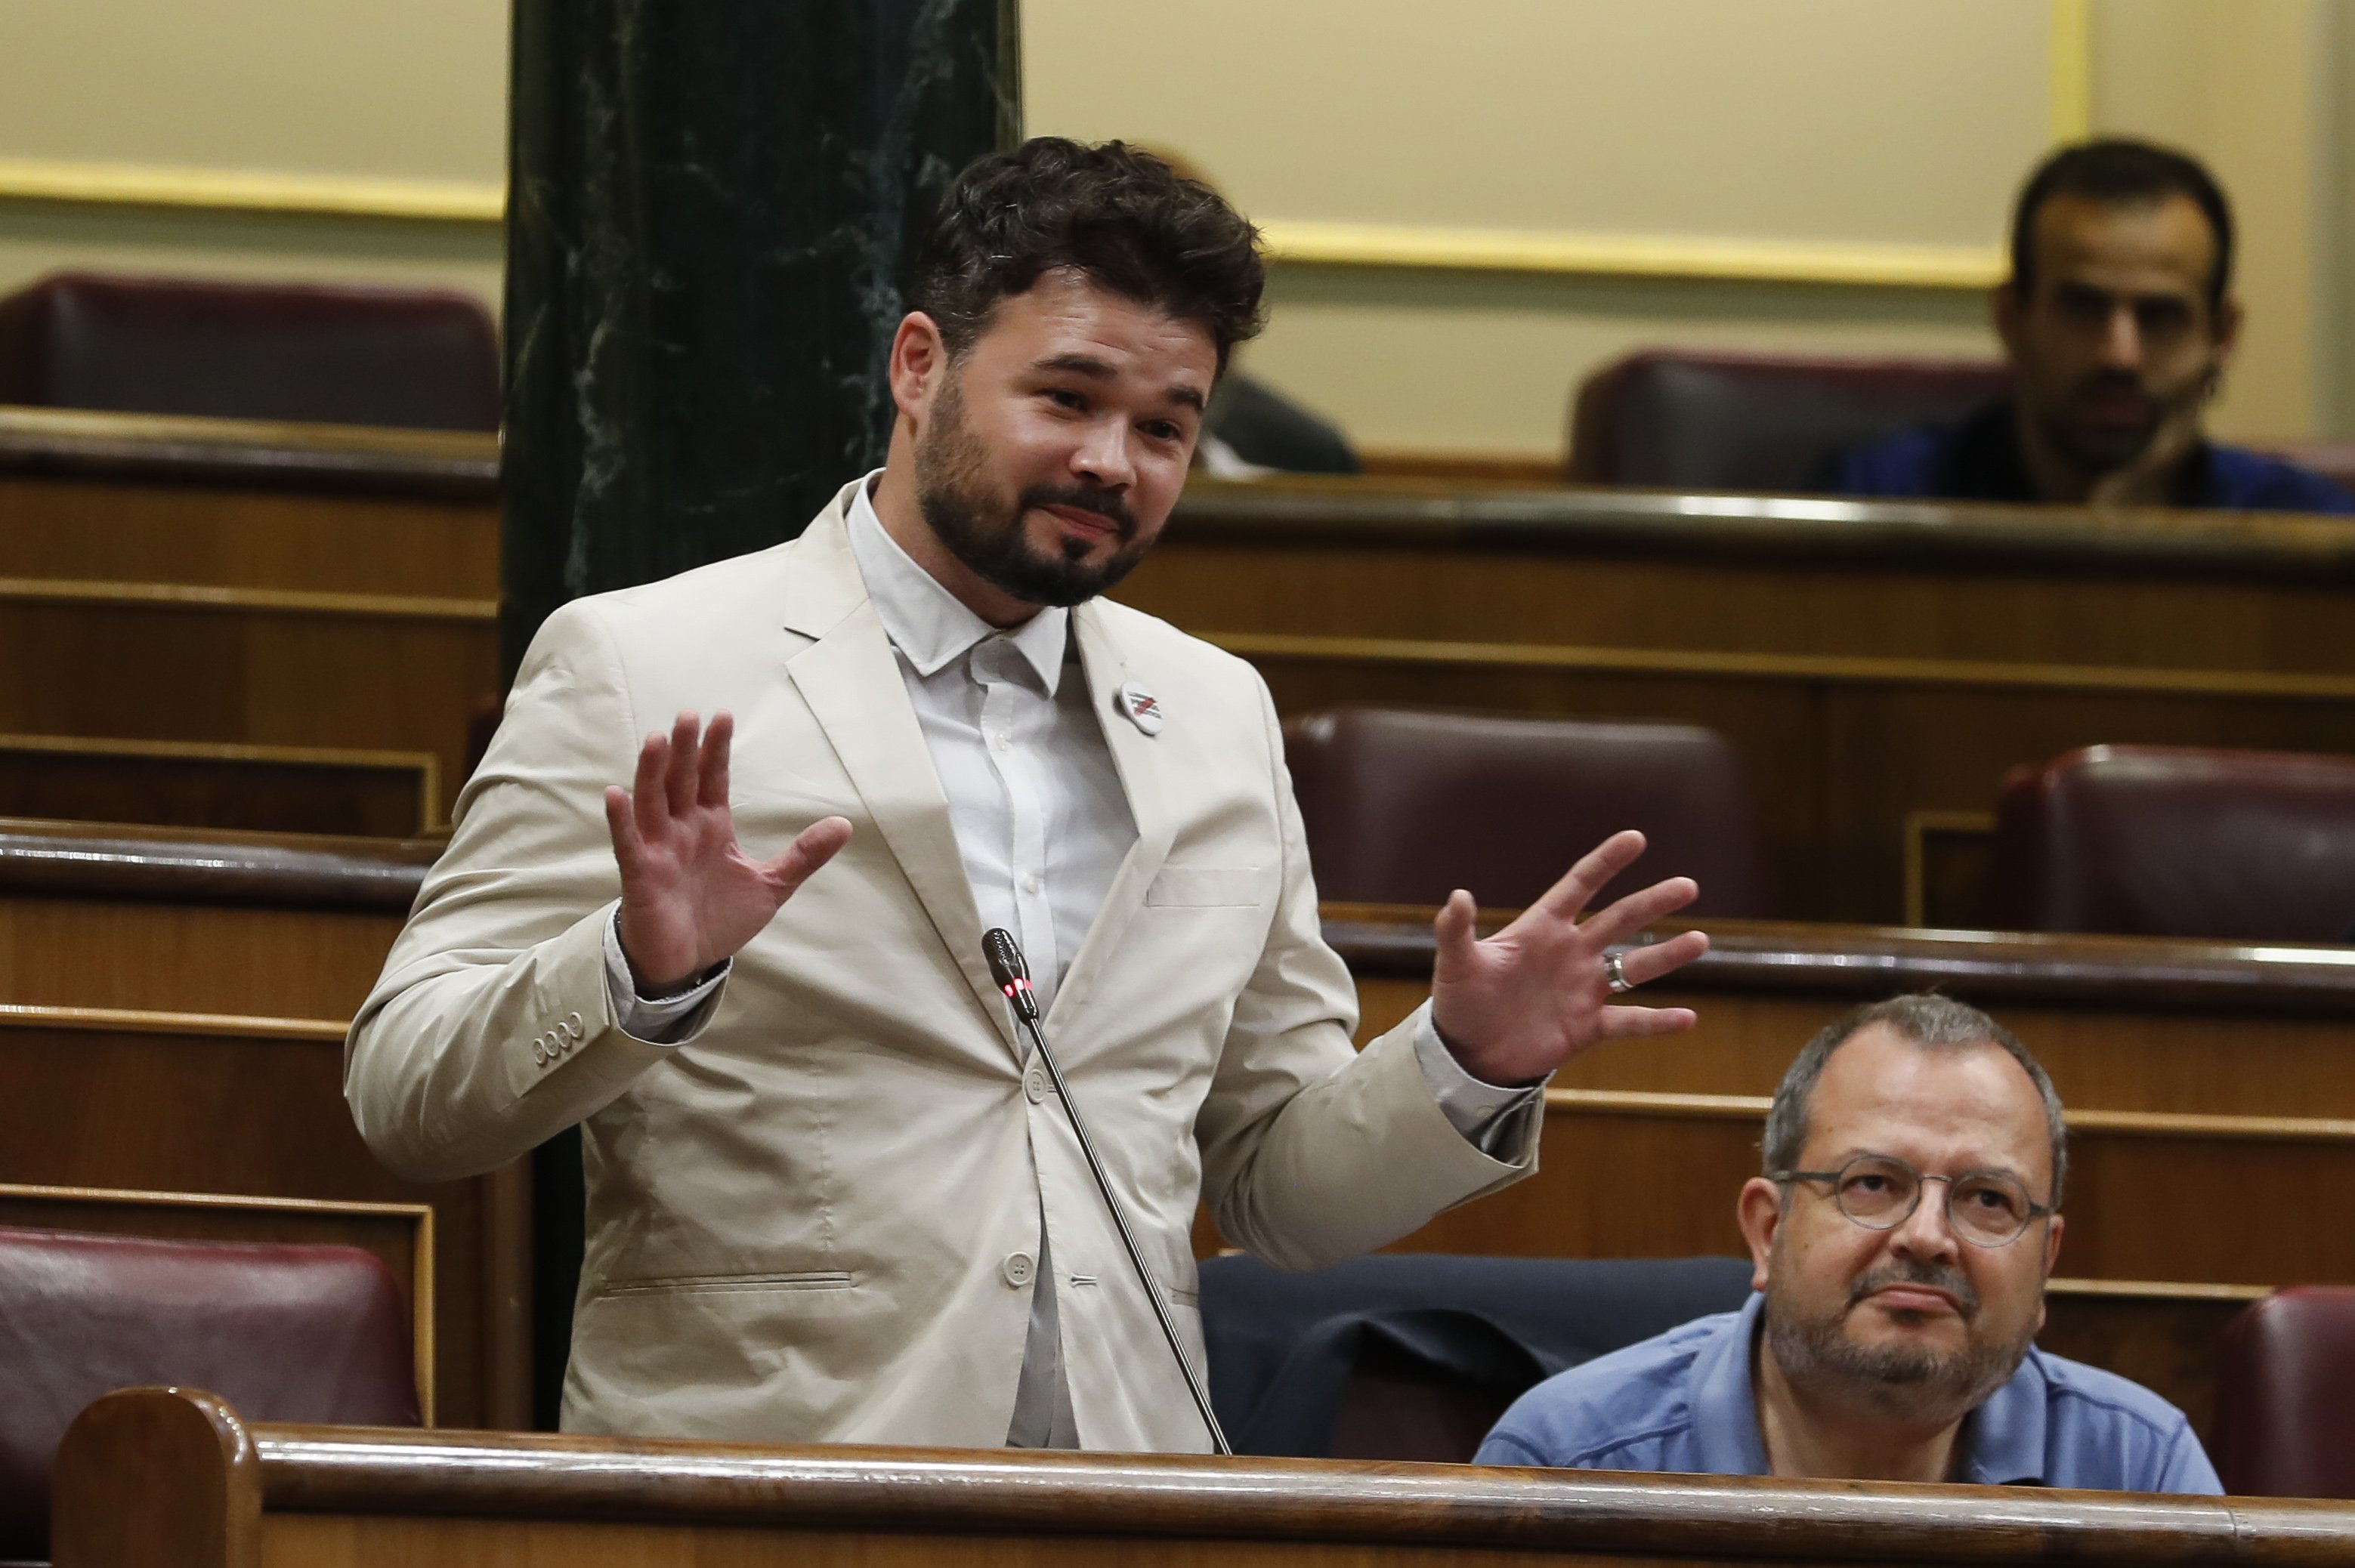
(1042, 825)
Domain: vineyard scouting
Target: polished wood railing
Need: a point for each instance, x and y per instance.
(155, 1477)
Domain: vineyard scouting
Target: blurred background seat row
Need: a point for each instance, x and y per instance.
(1690, 419)
(429, 359)
(1402, 806)
(344, 354)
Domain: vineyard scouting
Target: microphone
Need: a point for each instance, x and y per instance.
(1013, 977)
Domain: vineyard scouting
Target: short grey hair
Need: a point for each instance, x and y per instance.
(1931, 1022)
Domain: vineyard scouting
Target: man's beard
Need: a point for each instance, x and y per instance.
(1906, 1382)
(2097, 450)
(954, 493)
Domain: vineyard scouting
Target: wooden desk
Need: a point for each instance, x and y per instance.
(1872, 661)
(319, 591)
(2123, 1023)
(154, 1477)
(2205, 1084)
(183, 921)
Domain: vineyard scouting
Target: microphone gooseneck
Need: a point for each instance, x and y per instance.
(1013, 977)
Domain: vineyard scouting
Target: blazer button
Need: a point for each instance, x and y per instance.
(1034, 1083)
(1017, 1269)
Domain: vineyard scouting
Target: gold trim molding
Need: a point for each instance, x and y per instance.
(2127, 1124)
(1304, 242)
(142, 1020)
(2071, 86)
(1842, 669)
(271, 601)
(247, 191)
(1294, 241)
(1290, 241)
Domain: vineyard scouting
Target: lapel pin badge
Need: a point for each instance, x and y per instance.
(1140, 707)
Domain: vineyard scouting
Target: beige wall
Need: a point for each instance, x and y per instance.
(2249, 85)
(1642, 141)
(414, 88)
(324, 91)
(1821, 125)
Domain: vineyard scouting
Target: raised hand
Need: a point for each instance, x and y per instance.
(690, 897)
(1520, 1004)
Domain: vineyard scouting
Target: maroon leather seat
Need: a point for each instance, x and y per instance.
(2286, 1408)
(2334, 461)
(1402, 806)
(2156, 841)
(1695, 420)
(426, 359)
(284, 1334)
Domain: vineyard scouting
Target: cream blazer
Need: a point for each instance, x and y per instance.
(817, 1220)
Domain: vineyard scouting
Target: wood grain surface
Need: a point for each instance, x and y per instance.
(2122, 1024)
(332, 1496)
(254, 1108)
(1868, 661)
(174, 920)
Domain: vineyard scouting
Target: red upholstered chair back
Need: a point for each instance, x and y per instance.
(424, 359)
(1402, 806)
(2287, 1421)
(2334, 461)
(2156, 841)
(284, 1334)
(1752, 422)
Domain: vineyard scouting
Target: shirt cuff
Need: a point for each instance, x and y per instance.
(1483, 1112)
(657, 1020)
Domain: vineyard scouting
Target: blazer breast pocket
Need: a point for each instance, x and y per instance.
(1210, 886)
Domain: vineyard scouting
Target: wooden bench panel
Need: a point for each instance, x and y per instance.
(2122, 1024)
(196, 784)
(178, 920)
(254, 1108)
(2220, 1200)
(238, 667)
(1869, 661)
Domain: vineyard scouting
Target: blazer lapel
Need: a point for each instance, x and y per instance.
(1142, 762)
(850, 679)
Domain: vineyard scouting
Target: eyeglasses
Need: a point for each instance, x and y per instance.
(1881, 1191)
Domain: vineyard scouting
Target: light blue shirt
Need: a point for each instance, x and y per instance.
(1681, 1400)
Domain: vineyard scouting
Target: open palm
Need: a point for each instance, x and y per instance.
(690, 896)
(1517, 1005)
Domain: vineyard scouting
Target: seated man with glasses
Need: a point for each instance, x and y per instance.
(1902, 1233)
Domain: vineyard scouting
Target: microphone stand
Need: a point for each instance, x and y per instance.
(1013, 977)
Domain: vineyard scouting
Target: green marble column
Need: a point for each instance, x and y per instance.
(710, 206)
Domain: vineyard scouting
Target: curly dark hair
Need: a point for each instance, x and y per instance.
(1114, 212)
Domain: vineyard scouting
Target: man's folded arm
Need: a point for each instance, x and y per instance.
(495, 1024)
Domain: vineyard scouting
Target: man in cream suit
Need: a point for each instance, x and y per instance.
(830, 1196)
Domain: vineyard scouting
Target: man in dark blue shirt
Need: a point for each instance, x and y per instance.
(2118, 320)
(1902, 1234)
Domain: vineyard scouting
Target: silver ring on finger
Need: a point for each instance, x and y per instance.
(1614, 975)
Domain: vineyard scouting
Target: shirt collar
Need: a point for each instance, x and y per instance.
(927, 623)
(1725, 1415)
(2001, 1442)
